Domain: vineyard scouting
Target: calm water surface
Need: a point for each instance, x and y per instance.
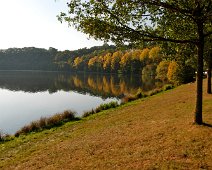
(27, 96)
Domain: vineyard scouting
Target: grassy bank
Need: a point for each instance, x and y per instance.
(60, 119)
(152, 133)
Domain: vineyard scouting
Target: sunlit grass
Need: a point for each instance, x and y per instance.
(61, 118)
(153, 133)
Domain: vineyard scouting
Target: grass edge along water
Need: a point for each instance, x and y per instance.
(60, 119)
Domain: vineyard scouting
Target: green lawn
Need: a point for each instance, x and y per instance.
(152, 133)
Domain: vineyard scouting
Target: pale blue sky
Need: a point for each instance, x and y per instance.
(27, 23)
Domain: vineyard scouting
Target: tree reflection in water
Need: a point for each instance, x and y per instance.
(103, 85)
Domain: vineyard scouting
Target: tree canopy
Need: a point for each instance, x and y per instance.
(135, 21)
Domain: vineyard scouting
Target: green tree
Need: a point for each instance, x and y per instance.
(121, 21)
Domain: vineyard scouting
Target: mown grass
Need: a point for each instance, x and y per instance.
(155, 132)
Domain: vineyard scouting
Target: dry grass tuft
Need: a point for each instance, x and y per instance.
(47, 123)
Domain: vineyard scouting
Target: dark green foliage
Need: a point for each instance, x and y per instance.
(27, 59)
(187, 74)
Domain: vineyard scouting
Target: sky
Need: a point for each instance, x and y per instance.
(33, 23)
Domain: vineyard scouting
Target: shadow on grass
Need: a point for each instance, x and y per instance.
(207, 125)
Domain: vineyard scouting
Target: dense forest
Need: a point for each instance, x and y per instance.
(102, 59)
(31, 58)
(27, 59)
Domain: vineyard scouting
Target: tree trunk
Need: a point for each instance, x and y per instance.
(198, 110)
(209, 74)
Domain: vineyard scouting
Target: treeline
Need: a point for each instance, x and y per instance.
(103, 59)
(176, 68)
(66, 60)
(130, 61)
(31, 58)
(27, 59)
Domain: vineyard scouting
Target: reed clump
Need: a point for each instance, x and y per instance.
(47, 122)
(4, 137)
(101, 108)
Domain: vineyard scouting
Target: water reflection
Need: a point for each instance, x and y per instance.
(27, 96)
(102, 85)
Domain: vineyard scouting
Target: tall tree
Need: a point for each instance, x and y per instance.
(134, 21)
(208, 59)
(209, 63)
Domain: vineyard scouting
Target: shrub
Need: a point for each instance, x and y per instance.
(154, 91)
(101, 108)
(168, 87)
(128, 99)
(43, 122)
(106, 106)
(140, 94)
(88, 113)
(1, 137)
(4, 137)
(67, 115)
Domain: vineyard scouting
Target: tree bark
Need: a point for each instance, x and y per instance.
(198, 110)
(209, 73)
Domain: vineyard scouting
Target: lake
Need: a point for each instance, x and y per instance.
(29, 95)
